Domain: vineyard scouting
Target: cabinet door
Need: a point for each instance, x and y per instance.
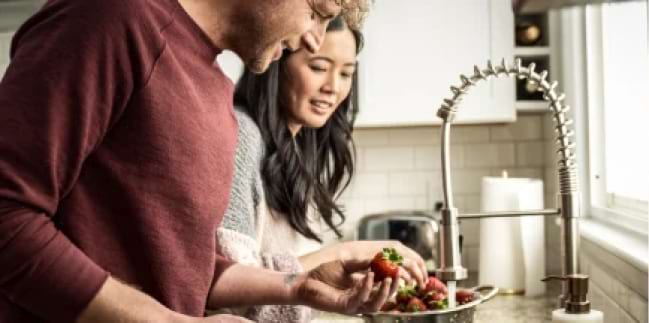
(416, 49)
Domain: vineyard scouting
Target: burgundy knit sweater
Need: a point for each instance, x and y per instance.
(117, 138)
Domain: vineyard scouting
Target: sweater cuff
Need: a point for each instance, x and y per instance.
(45, 273)
(78, 285)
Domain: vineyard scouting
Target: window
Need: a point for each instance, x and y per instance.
(618, 112)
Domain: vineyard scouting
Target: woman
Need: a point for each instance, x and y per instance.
(293, 158)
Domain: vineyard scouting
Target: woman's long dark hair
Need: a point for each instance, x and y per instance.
(314, 167)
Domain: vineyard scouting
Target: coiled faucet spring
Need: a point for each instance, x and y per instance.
(567, 164)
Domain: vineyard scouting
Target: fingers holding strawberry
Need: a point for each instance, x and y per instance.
(386, 264)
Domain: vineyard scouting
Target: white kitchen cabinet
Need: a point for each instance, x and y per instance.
(416, 49)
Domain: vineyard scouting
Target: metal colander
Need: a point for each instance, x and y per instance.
(460, 314)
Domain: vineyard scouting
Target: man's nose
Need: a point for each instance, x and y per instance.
(314, 37)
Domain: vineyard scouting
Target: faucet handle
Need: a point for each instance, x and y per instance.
(577, 291)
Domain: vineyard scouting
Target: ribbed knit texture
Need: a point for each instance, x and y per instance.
(242, 235)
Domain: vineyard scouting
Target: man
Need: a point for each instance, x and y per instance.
(116, 142)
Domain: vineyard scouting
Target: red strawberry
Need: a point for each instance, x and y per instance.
(438, 304)
(434, 285)
(404, 294)
(433, 296)
(463, 296)
(415, 305)
(389, 306)
(386, 264)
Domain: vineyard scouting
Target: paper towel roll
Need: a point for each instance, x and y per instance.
(512, 250)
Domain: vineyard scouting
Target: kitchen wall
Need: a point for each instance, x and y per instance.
(5, 44)
(399, 169)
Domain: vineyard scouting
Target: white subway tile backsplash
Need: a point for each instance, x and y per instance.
(548, 126)
(488, 155)
(626, 318)
(430, 158)
(368, 185)
(470, 230)
(460, 201)
(472, 203)
(414, 136)
(379, 205)
(530, 153)
(526, 127)
(551, 157)
(370, 137)
(468, 181)
(389, 158)
(551, 185)
(631, 302)
(353, 208)
(470, 257)
(415, 184)
(552, 261)
(469, 134)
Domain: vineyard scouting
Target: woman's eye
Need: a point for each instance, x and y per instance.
(318, 68)
(347, 75)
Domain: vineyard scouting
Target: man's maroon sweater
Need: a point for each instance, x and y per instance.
(117, 139)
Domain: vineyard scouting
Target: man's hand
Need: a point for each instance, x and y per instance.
(343, 286)
(118, 302)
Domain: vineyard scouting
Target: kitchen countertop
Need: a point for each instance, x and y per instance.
(501, 309)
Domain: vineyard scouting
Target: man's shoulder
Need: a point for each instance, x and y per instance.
(115, 14)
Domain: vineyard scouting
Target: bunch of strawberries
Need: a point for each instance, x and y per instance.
(432, 296)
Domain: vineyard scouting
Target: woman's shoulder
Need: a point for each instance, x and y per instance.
(249, 134)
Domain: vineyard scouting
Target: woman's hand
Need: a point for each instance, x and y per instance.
(343, 286)
(415, 268)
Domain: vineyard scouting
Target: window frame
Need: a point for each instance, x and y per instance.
(627, 213)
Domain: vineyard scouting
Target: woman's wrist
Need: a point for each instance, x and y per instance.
(294, 283)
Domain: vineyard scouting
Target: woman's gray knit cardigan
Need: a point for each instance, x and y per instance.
(241, 236)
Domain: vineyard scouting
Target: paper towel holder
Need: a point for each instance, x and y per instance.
(451, 268)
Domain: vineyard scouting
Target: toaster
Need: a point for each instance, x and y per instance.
(415, 229)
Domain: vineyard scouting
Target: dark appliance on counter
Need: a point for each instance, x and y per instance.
(415, 229)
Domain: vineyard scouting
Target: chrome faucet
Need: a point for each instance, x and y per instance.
(451, 269)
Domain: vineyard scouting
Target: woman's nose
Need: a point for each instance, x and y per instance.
(332, 85)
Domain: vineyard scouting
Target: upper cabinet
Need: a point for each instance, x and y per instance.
(416, 49)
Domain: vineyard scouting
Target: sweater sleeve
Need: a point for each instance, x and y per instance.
(72, 70)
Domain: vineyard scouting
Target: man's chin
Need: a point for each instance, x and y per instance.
(258, 65)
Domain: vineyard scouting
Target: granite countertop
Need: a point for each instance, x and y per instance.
(501, 309)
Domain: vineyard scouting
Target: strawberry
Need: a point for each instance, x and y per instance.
(386, 264)
(438, 304)
(405, 293)
(434, 285)
(433, 296)
(463, 296)
(415, 305)
(389, 306)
